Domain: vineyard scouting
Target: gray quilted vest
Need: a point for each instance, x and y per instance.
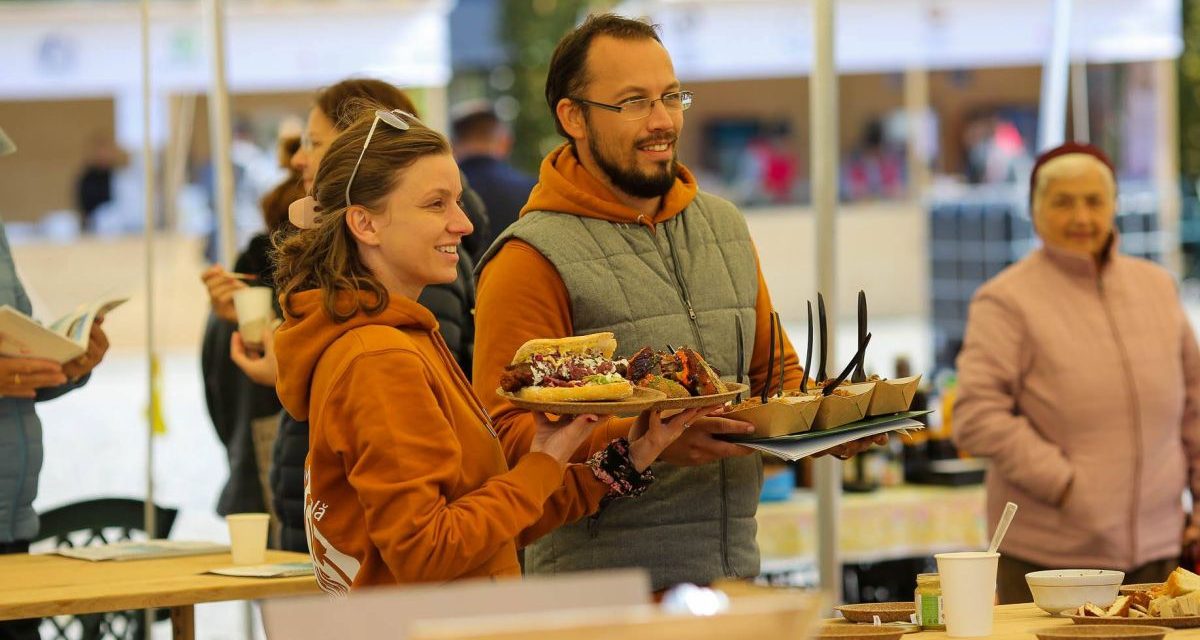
(681, 284)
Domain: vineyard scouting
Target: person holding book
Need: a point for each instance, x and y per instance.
(23, 383)
(405, 479)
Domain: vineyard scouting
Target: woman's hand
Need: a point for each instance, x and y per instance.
(561, 438)
(261, 368)
(650, 435)
(97, 347)
(220, 287)
(22, 377)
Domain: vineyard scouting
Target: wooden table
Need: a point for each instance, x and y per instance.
(1018, 621)
(38, 586)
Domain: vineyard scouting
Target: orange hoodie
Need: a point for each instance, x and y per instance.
(521, 296)
(405, 480)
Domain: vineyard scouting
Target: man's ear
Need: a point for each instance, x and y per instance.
(363, 225)
(570, 114)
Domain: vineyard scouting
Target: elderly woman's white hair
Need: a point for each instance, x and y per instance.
(1067, 161)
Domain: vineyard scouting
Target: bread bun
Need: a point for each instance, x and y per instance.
(588, 392)
(604, 343)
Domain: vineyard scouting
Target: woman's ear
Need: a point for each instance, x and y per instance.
(362, 225)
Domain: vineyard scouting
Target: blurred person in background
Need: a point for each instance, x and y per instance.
(405, 480)
(94, 186)
(23, 383)
(1079, 378)
(482, 143)
(617, 236)
(245, 412)
(452, 304)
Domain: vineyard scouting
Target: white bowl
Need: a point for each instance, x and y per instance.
(1058, 590)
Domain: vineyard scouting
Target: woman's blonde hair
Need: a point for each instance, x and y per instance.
(326, 257)
(1068, 166)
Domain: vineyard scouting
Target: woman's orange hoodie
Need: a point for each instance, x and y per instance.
(521, 297)
(405, 480)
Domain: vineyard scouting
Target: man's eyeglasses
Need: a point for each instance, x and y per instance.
(389, 117)
(642, 107)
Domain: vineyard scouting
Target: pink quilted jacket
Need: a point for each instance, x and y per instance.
(1076, 376)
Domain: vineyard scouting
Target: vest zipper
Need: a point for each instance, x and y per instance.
(1136, 413)
(681, 287)
(725, 525)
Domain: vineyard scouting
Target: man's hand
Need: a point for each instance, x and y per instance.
(697, 446)
(221, 286)
(97, 347)
(851, 449)
(22, 377)
(261, 368)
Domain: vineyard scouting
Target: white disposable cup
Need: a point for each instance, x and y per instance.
(254, 313)
(968, 592)
(248, 537)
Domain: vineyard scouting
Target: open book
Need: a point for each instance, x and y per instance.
(801, 445)
(62, 341)
(142, 550)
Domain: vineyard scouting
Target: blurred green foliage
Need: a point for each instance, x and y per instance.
(1189, 92)
(531, 29)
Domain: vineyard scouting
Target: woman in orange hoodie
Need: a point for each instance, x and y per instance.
(405, 479)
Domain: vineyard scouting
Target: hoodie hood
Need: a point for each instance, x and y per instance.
(566, 186)
(304, 337)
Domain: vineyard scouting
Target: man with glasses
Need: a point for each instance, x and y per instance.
(617, 237)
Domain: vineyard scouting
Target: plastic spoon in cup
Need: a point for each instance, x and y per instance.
(1010, 510)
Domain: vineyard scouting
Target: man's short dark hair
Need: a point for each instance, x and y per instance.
(478, 125)
(568, 66)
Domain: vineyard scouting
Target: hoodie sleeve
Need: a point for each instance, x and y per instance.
(522, 297)
(793, 368)
(985, 417)
(403, 463)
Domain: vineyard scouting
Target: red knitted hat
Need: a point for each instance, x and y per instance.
(1066, 148)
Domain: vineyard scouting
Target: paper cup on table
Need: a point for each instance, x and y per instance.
(254, 313)
(248, 537)
(968, 592)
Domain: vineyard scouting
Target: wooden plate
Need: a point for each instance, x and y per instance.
(887, 611)
(641, 400)
(1127, 589)
(1103, 632)
(693, 402)
(1185, 622)
(859, 632)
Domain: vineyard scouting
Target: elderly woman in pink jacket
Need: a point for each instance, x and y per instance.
(1080, 379)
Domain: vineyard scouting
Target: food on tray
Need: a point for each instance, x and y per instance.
(1178, 597)
(684, 367)
(574, 369)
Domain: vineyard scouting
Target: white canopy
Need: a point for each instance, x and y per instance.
(737, 39)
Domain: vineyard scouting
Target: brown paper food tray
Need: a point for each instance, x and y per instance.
(893, 396)
(778, 417)
(836, 410)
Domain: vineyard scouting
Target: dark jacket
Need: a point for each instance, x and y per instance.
(233, 399)
(504, 191)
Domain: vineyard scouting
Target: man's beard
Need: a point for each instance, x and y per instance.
(630, 179)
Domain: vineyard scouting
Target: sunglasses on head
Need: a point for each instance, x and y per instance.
(391, 118)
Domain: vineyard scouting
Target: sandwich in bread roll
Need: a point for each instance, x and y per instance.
(574, 369)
